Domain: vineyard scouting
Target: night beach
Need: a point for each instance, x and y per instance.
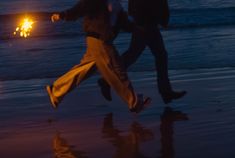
(85, 125)
(200, 44)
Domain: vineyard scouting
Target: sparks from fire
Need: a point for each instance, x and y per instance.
(24, 28)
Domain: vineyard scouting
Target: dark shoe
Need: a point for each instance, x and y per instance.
(105, 89)
(168, 97)
(53, 99)
(142, 104)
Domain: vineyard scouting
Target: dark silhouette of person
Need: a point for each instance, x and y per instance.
(62, 149)
(126, 146)
(168, 118)
(148, 15)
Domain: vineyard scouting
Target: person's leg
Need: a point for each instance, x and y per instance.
(112, 70)
(72, 78)
(136, 47)
(156, 44)
(157, 47)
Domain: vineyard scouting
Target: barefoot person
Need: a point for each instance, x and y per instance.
(148, 15)
(102, 20)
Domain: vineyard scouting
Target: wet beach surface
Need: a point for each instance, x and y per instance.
(199, 125)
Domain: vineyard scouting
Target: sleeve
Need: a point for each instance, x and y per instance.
(75, 12)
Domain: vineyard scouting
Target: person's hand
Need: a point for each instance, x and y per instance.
(55, 17)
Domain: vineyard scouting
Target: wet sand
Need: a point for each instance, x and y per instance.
(85, 125)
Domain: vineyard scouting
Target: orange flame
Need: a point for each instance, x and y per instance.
(24, 28)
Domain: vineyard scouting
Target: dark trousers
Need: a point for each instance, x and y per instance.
(151, 37)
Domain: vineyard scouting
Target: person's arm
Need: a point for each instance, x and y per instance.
(71, 14)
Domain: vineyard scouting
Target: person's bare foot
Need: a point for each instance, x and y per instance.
(53, 99)
(142, 104)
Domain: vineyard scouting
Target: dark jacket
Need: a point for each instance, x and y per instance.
(149, 12)
(96, 20)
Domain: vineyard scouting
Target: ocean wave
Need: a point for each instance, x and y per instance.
(39, 16)
(176, 14)
(202, 17)
(180, 19)
(202, 10)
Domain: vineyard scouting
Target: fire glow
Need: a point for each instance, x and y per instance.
(24, 28)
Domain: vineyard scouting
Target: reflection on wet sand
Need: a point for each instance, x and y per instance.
(127, 146)
(168, 118)
(63, 150)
